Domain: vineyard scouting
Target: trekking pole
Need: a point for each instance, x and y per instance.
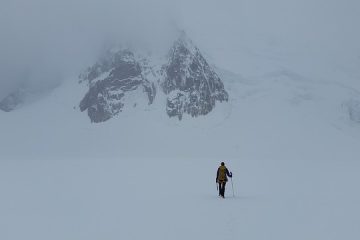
(232, 185)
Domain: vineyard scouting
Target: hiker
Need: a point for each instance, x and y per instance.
(221, 178)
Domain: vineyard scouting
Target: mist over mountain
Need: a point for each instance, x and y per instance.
(47, 42)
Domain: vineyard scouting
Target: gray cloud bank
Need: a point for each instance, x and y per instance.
(42, 41)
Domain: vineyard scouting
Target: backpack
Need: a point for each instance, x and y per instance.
(222, 173)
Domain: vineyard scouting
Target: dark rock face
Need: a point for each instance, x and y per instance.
(12, 101)
(190, 84)
(104, 98)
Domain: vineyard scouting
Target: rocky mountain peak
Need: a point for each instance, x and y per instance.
(109, 81)
(190, 84)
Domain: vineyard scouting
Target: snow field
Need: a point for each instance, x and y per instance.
(177, 199)
(144, 176)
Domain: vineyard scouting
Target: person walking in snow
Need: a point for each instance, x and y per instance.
(221, 178)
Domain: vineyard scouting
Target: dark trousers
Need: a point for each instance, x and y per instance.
(222, 188)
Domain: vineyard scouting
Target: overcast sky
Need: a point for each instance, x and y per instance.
(44, 41)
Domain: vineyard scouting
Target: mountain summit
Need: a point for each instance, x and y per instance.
(189, 83)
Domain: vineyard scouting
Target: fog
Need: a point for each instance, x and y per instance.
(43, 42)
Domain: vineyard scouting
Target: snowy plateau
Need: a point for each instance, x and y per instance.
(140, 161)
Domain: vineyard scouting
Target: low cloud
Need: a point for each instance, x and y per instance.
(42, 41)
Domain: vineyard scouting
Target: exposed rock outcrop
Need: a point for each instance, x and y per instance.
(190, 84)
(353, 108)
(13, 100)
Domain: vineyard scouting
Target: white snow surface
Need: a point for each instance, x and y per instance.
(289, 141)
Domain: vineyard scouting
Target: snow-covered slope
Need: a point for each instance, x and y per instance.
(291, 142)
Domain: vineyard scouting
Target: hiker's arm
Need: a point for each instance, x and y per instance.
(228, 173)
